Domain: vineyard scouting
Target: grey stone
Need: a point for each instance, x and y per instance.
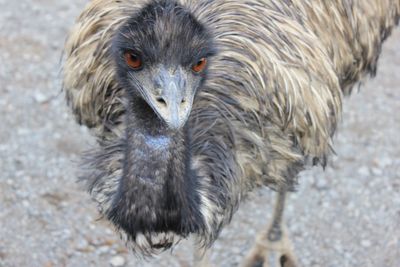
(117, 261)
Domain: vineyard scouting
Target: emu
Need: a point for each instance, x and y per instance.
(195, 103)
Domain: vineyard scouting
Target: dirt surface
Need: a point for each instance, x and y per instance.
(348, 215)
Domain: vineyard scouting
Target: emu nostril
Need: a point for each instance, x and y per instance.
(158, 91)
(161, 101)
(183, 101)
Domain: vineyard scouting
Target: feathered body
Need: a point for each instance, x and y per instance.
(268, 108)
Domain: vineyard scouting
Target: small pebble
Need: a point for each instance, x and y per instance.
(40, 98)
(377, 171)
(366, 243)
(363, 171)
(102, 250)
(383, 162)
(25, 203)
(321, 184)
(117, 261)
(82, 244)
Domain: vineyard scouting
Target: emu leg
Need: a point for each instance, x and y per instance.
(272, 246)
(202, 257)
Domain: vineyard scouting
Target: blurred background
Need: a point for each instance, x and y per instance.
(348, 215)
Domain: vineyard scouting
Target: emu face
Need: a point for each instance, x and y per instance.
(161, 55)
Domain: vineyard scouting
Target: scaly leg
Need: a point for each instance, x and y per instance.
(272, 247)
(201, 257)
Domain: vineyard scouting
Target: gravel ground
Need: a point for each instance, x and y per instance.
(348, 215)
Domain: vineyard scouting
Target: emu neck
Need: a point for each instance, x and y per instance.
(157, 192)
(151, 151)
(151, 148)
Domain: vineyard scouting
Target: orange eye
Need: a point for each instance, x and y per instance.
(133, 60)
(200, 65)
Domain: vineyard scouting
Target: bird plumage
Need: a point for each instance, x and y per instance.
(268, 108)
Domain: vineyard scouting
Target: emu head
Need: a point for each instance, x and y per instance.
(161, 54)
(144, 182)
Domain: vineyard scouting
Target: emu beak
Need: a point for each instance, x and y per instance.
(172, 100)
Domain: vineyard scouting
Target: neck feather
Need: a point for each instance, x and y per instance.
(157, 191)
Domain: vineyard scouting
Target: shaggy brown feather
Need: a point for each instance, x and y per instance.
(273, 97)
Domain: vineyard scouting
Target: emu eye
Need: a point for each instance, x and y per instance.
(200, 65)
(133, 60)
